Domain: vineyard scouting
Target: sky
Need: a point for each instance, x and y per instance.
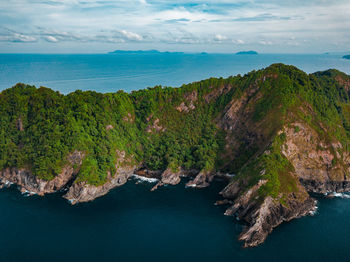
(87, 26)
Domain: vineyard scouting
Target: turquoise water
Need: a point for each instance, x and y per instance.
(173, 223)
(109, 73)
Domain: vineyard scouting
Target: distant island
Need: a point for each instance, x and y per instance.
(137, 52)
(247, 53)
(346, 57)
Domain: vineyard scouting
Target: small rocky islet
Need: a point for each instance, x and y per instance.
(282, 134)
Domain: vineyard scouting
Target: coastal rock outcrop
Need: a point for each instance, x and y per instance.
(31, 184)
(262, 216)
(201, 180)
(81, 191)
(169, 177)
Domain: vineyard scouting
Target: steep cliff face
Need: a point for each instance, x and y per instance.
(81, 191)
(321, 166)
(31, 184)
(283, 156)
(202, 179)
(263, 215)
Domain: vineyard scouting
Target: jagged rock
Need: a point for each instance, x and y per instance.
(261, 218)
(264, 218)
(84, 192)
(201, 180)
(169, 177)
(223, 202)
(313, 160)
(27, 182)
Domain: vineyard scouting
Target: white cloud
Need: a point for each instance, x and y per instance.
(51, 39)
(8, 35)
(264, 42)
(239, 41)
(16, 37)
(253, 24)
(219, 37)
(130, 35)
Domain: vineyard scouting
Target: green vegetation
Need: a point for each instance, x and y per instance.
(40, 127)
(272, 167)
(164, 127)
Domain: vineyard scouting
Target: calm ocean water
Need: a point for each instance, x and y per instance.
(109, 73)
(173, 223)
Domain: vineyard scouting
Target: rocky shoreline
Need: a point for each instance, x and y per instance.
(79, 192)
(313, 175)
(259, 218)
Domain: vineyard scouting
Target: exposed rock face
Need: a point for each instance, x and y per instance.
(261, 218)
(321, 167)
(183, 108)
(271, 214)
(155, 127)
(30, 183)
(169, 177)
(83, 192)
(190, 98)
(19, 124)
(109, 127)
(129, 118)
(236, 120)
(343, 82)
(201, 180)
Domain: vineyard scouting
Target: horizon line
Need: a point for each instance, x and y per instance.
(181, 52)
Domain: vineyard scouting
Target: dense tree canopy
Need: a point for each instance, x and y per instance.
(159, 127)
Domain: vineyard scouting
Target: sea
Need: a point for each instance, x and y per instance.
(173, 223)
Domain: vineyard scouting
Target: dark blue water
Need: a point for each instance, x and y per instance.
(173, 223)
(109, 73)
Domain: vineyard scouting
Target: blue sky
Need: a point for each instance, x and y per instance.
(86, 26)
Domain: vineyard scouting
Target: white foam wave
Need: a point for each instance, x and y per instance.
(335, 194)
(72, 200)
(27, 193)
(314, 210)
(145, 179)
(8, 183)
